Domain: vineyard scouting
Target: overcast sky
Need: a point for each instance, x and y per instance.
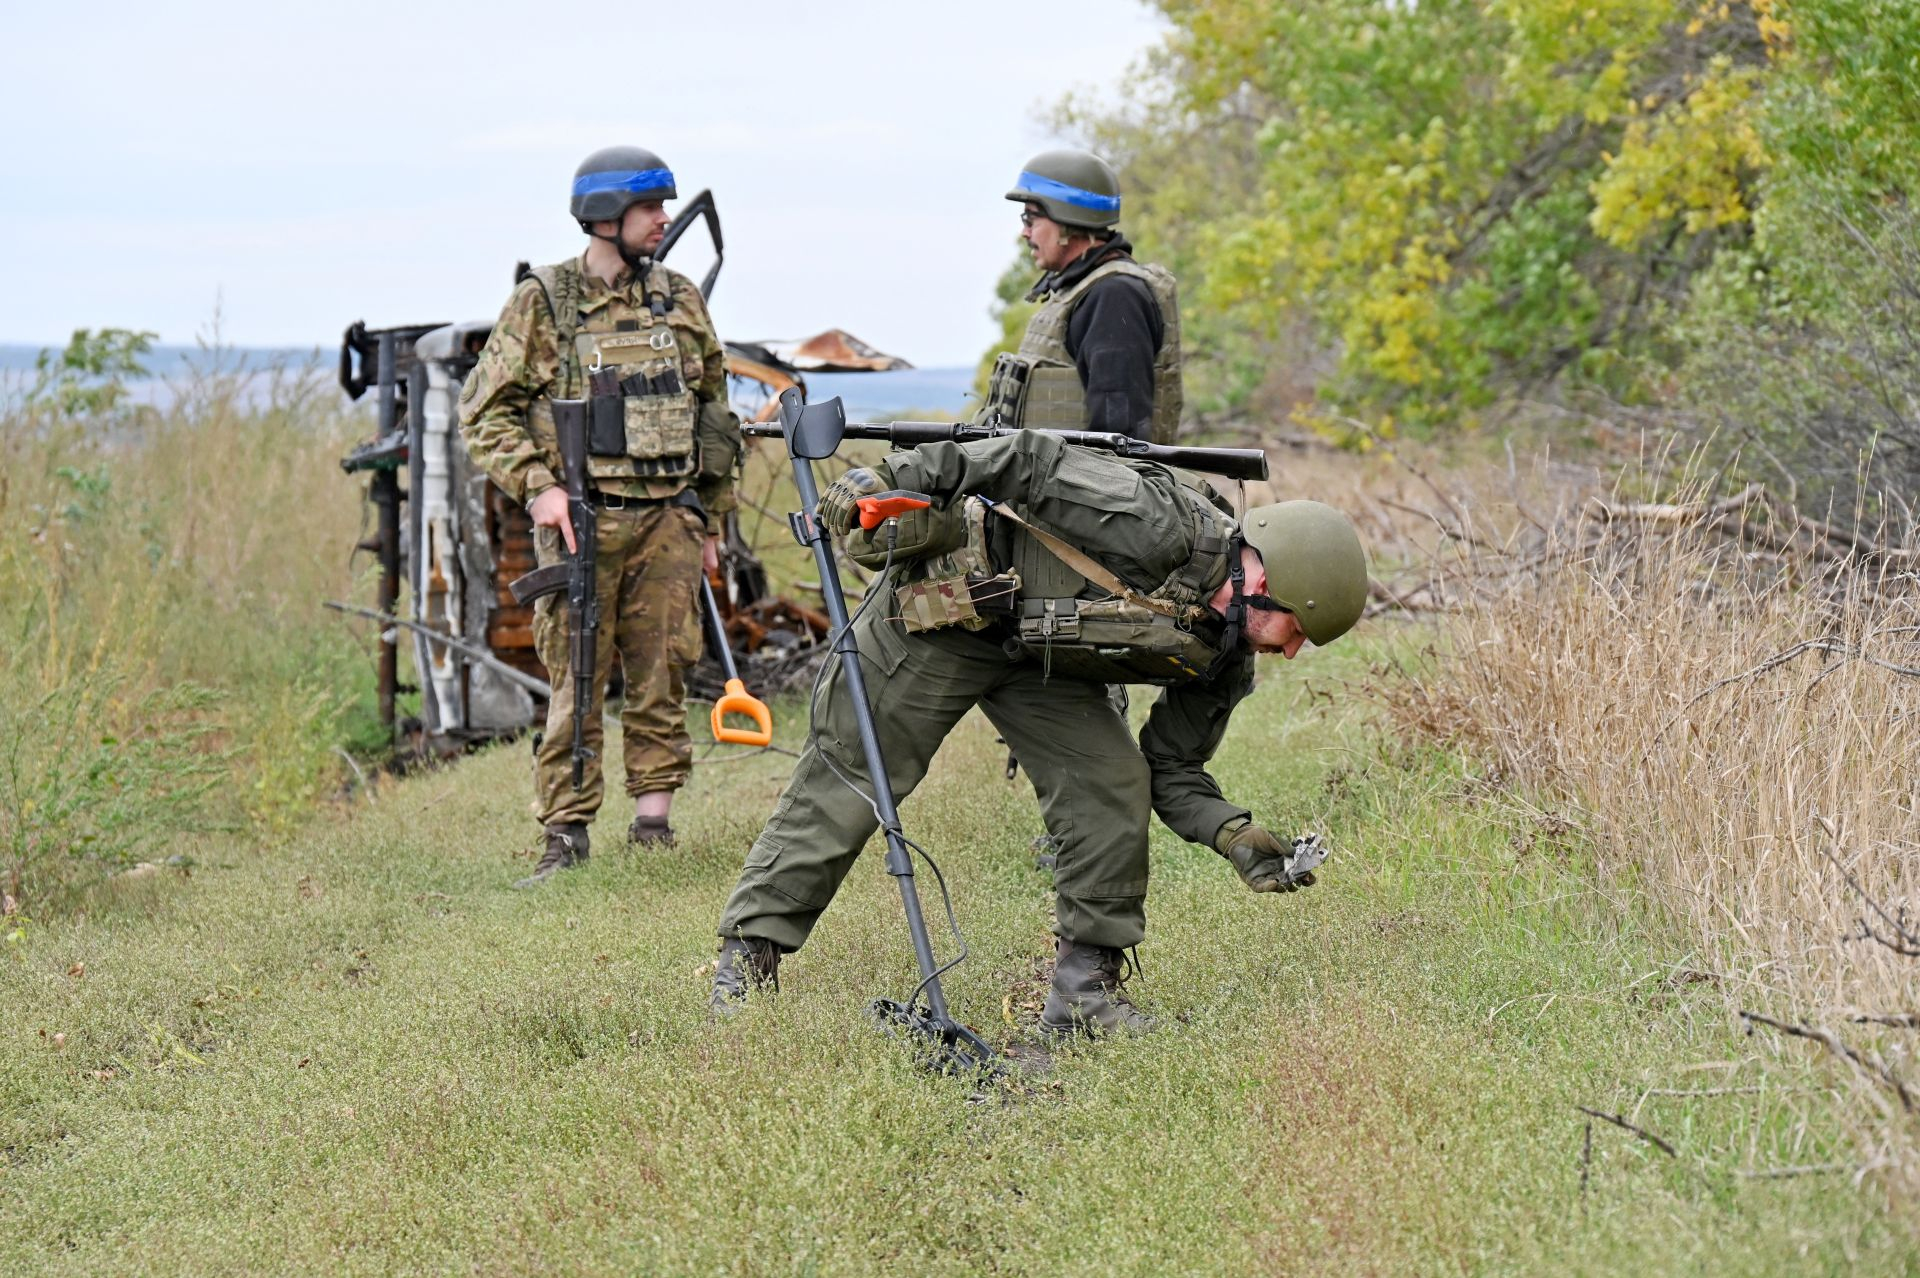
(312, 165)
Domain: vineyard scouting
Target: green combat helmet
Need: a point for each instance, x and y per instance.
(1076, 188)
(615, 177)
(1315, 567)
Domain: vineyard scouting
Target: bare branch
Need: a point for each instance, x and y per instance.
(1827, 1040)
(1641, 1132)
(1907, 944)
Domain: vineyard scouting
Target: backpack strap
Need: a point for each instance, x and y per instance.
(1090, 568)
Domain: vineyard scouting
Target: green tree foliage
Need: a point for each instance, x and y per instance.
(1460, 200)
(89, 378)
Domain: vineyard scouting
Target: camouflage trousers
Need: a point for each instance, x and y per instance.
(647, 578)
(1092, 781)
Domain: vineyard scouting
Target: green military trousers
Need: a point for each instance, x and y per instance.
(647, 579)
(1090, 776)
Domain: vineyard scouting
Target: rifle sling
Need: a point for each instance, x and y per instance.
(1090, 568)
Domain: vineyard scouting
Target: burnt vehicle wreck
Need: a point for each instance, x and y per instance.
(447, 541)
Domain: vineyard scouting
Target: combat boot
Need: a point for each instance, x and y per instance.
(650, 832)
(566, 848)
(1087, 995)
(746, 963)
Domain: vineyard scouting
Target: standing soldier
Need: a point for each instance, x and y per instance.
(1112, 571)
(635, 339)
(1103, 351)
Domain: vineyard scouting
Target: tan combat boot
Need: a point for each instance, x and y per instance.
(566, 848)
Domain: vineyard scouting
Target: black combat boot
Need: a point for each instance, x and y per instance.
(650, 832)
(1087, 997)
(566, 848)
(746, 962)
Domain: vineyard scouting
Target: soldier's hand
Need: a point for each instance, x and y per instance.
(836, 511)
(710, 556)
(549, 510)
(1264, 862)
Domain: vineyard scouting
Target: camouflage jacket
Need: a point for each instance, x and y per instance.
(522, 362)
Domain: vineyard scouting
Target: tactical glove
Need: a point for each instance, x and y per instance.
(1265, 864)
(836, 511)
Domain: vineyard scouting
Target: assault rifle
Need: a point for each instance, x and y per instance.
(1230, 463)
(575, 576)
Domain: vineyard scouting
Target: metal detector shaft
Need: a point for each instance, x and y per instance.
(899, 861)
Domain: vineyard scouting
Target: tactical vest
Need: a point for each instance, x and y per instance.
(977, 571)
(641, 414)
(1037, 386)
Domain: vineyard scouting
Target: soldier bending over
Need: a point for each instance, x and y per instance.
(1112, 571)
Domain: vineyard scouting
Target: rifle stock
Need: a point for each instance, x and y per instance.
(1229, 463)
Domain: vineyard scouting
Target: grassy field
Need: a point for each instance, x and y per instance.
(355, 1048)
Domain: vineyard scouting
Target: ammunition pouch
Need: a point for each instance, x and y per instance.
(1006, 389)
(1109, 641)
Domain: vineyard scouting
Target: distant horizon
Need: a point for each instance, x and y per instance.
(21, 355)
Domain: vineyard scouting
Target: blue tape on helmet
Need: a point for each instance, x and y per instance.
(1035, 185)
(638, 181)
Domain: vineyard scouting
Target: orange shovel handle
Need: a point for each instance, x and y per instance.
(737, 700)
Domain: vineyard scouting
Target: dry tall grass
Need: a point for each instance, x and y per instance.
(1735, 701)
(166, 664)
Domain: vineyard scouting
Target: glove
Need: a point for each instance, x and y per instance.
(836, 511)
(1265, 864)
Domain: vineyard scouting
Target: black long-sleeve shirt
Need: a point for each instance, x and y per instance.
(1112, 335)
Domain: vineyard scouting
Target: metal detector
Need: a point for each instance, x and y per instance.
(813, 432)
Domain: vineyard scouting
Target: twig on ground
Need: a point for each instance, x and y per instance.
(1827, 1040)
(1641, 1132)
(1908, 944)
(1669, 513)
(1708, 1091)
(1898, 1020)
(1781, 1173)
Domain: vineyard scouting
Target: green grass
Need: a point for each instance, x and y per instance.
(357, 1049)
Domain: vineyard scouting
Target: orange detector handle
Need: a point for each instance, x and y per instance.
(881, 507)
(737, 700)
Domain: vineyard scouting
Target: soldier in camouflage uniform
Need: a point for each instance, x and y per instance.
(1078, 569)
(1103, 351)
(635, 339)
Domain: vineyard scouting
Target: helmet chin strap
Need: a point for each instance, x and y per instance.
(638, 263)
(1235, 636)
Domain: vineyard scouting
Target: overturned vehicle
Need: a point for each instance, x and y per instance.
(448, 541)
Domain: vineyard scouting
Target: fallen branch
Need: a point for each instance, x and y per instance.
(1673, 513)
(1641, 1132)
(1827, 1040)
(1908, 944)
(1781, 1173)
(1899, 1020)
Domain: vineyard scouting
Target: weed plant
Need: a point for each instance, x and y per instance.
(166, 663)
(1739, 728)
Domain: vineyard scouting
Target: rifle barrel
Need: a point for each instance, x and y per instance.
(1231, 463)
